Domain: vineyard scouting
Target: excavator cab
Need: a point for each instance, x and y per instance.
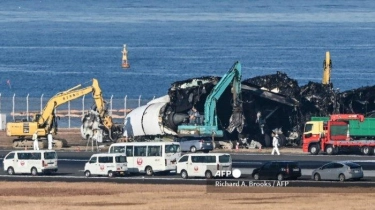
(36, 117)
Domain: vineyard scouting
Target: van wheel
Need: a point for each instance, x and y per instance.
(110, 174)
(193, 149)
(10, 171)
(256, 176)
(208, 175)
(316, 177)
(184, 174)
(87, 173)
(342, 177)
(34, 172)
(149, 171)
(280, 177)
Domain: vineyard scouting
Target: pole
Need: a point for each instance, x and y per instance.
(27, 107)
(139, 101)
(125, 108)
(41, 104)
(0, 102)
(111, 105)
(14, 95)
(83, 106)
(68, 114)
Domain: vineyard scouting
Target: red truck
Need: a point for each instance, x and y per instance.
(339, 132)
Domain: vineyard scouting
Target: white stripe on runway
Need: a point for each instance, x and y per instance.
(306, 172)
(293, 155)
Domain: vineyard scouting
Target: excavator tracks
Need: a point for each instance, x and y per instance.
(43, 144)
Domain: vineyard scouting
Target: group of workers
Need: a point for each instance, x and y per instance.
(36, 143)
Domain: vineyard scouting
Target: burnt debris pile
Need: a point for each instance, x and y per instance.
(188, 93)
(272, 102)
(278, 82)
(360, 101)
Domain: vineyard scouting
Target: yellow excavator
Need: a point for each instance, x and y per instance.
(47, 121)
(327, 65)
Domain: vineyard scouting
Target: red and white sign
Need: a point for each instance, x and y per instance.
(139, 161)
(102, 167)
(22, 163)
(195, 168)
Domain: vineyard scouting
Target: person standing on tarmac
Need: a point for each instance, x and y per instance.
(275, 143)
(50, 140)
(35, 139)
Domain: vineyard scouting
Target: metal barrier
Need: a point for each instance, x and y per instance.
(71, 113)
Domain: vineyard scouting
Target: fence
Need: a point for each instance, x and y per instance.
(70, 113)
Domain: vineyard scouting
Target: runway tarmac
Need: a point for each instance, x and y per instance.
(71, 165)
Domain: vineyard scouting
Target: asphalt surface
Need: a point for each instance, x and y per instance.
(71, 165)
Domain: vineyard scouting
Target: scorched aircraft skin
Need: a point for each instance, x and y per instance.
(270, 102)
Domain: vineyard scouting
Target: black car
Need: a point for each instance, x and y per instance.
(279, 170)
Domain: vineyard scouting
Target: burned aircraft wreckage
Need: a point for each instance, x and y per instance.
(269, 102)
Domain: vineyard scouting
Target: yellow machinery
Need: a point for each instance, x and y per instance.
(327, 65)
(47, 122)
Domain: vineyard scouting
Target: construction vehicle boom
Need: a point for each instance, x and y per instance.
(327, 65)
(46, 121)
(210, 125)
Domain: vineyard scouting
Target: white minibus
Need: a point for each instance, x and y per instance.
(203, 165)
(30, 162)
(106, 164)
(149, 157)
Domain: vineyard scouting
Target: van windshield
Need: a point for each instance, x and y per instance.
(120, 159)
(172, 148)
(224, 159)
(50, 155)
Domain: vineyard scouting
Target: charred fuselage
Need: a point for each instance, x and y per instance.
(269, 102)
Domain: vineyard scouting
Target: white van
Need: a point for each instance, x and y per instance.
(149, 157)
(106, 164)
(30, 162)
(203, 165)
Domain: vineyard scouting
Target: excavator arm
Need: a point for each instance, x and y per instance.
(45, 120)
(100, 106)
(210, 127)
(233, 76)
(99, 119)
(104, 118)
(327, 65)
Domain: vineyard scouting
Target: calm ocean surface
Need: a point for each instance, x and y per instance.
(50, 46)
